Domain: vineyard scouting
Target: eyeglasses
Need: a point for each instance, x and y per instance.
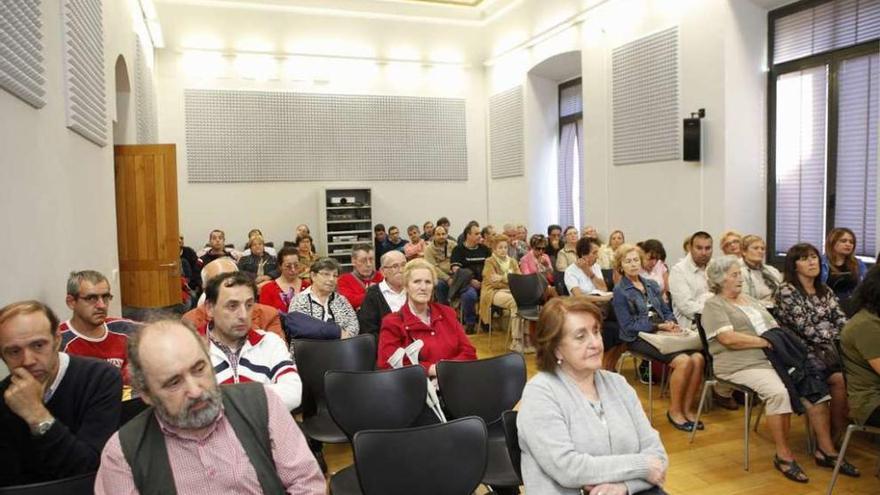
(93, 298)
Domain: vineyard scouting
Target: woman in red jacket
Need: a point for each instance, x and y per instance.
(422, 319)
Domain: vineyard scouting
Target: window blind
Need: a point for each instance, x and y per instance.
(825, 27)
(570, 101)
(856, 188)
(801, 116)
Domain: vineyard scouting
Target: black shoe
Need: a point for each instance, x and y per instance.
(686, 426)
(469, 328)
(830, 460)
(725, 402)
(791, 469)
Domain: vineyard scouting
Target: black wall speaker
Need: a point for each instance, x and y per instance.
(691, 140)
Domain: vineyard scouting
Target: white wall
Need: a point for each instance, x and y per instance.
(58, 197)
(276, 208)
(666, 200)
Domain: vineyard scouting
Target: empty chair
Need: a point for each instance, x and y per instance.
(314, 358)
(83, 484)
(508, 421)
(360, 400)
(486, 388)
(442, 459)
(528, 292)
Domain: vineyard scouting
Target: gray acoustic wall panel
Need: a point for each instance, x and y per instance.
(506, 133)
(645, 94)
(251, 136)
(21, 50)
(83, 55)
(145, 97)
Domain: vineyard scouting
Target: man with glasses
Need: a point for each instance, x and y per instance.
(354, 285)
(387, 296)
(90, 332)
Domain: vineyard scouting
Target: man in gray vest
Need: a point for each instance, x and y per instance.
(199, 437)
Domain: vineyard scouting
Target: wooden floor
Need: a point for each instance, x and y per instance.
(713, 464)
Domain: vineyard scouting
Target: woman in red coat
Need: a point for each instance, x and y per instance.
(422, 319)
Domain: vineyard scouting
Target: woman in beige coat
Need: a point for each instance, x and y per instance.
(496, 291)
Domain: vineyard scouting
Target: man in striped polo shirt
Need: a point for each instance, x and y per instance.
(90, 332)
(240, 353)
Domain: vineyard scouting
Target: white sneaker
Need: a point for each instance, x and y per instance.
(516, 346)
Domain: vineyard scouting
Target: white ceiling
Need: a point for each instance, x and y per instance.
(560, 68)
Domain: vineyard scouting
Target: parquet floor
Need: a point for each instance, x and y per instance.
(713, 464)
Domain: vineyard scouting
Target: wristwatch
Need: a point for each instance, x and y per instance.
(42, 427)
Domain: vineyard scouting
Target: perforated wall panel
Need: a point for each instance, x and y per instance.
(644, 86)
(145, 97)
(506, 133)
(83, 57)
(21, 50)
(250, 136)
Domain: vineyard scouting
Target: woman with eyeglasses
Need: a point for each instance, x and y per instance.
(320, 300)
(281, 291)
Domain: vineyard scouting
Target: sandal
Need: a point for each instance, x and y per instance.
(791, 469)
(830, 461)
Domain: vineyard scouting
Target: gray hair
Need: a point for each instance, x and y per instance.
(77, 278)
(161, 322)
(386, 258)
(324, 264)
(225, 260)
(716, 272)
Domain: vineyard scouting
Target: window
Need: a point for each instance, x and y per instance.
(823, 97)
(571, 145)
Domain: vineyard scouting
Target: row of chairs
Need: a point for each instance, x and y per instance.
(343, 395)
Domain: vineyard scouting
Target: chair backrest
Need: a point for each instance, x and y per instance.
(561, 288)
(484, 388)
(442, 459)
(83, 484)
(384, 399)
(511, 437)
(526, 290)
(130, 409)
(710, 361)
(315, 357)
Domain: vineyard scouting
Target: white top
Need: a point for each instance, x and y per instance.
(395, 300)
(63, 363)
(575, 277)
(326, 305)
(690, 290)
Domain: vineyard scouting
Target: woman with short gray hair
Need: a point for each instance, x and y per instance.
(734, 323)
(321, 300)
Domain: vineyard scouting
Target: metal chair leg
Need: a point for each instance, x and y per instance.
(746, 429)
(651, 392)
(706, 385)
(840, 456)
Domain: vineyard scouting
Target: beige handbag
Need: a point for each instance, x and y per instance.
(668, 343)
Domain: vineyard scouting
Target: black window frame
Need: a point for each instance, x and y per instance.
(832, 59)
(568, 118)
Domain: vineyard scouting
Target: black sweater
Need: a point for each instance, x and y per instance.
(86, 408)
(373, 309)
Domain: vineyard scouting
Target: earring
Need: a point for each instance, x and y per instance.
(559, 361)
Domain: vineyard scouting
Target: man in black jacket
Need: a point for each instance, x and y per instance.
(57, 411)
(386, 296)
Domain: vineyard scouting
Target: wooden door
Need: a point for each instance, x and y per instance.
(146, 225)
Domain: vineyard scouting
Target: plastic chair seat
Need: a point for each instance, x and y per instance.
(499, 468)
(345, 482)
(322, 428)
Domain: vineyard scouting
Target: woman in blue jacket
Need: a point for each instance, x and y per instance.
(639, 307)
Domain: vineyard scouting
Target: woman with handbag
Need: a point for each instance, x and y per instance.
(639, 307)
(810, 309)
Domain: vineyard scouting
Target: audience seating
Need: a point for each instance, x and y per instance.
(313, 358)
(83, 484)
(663, 379)
(711, 380)
(361, 400)
(511, 437)
(852, 428)
(486, 388)
(528, 293)
(442, 459)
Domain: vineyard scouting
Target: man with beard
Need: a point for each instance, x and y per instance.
(239, 352)
(89, 331)
(385, 297)
(219, 439)
(56, 411)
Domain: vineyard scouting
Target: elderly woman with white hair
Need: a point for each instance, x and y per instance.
(734, 323)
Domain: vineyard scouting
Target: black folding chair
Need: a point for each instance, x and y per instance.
(314, 358)
(83, 484)
(361, 400)
(486, 388)
(442, 459)
(511, 436)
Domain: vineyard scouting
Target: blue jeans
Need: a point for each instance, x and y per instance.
(441, 291)
(469, 299)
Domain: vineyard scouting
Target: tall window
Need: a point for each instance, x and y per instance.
(823, 98)
(571, 145)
